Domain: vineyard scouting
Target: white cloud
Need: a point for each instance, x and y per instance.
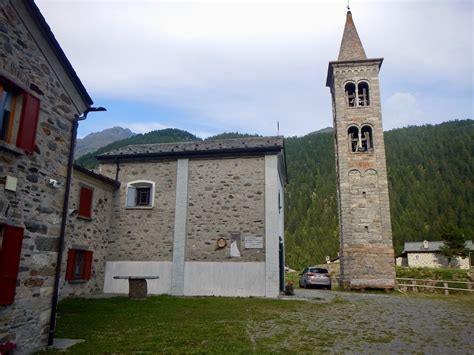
(401, 109)
(243, 65)
(141, 127)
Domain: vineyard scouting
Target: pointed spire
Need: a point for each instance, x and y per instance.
(351, 46)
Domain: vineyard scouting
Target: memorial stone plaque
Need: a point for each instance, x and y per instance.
(253, 242)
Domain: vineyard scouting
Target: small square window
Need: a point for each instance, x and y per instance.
(140, 194)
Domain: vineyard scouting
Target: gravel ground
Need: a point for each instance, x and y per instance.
(379, 323)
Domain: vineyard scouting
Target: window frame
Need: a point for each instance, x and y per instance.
(85, 266)
(21, 131)
(134, 186)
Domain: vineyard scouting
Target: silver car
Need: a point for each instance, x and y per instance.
(315, 276)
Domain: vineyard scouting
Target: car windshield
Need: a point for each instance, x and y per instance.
(317, 270)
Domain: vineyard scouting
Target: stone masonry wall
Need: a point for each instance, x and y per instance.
(224, 196)
(366, 236)
(36, 204)
(143, 234)
(435, 260)
(88, 234)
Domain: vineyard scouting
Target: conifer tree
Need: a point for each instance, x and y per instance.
(454, 243)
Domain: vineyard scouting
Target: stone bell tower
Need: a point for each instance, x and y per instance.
(366, 248)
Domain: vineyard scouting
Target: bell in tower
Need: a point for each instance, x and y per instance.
(366, 248)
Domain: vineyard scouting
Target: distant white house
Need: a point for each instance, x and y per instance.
(426, 254)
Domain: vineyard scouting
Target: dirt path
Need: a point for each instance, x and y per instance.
(378, 323)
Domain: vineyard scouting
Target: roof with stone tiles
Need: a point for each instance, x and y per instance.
(432, 246)
(210, 147)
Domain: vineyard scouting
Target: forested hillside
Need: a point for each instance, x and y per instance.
(167, 135)
(430, 170)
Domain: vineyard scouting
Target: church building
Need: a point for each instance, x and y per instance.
(366, 248)
(206, 218)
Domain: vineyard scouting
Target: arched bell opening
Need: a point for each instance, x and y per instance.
(353, 138)
(366, 139)
(363, 98)
(350, 92)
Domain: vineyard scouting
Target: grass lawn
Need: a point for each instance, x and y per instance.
(188, 325)
(354, 322)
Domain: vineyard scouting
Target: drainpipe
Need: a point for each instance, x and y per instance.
(117, 168)
(57, 276)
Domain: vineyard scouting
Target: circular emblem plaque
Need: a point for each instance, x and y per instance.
(221, 243)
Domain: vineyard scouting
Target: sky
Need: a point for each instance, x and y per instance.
(210, 67)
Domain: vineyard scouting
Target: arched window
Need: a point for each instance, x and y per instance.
(140, 194)
(366, 139)
(353, 138)
(350, 92)
(363, 94)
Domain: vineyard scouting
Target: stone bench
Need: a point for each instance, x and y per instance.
(137, 285)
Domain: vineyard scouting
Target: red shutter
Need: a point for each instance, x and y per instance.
(71, 263)
(10, 254)
(87, 265)
(85, 202)
(28, 123)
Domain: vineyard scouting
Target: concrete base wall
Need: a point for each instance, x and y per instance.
(138, 268)
(224, 279)
(236, 279)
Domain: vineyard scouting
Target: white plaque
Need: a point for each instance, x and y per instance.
(253, 242)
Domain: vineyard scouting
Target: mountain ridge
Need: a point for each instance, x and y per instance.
(96, 140)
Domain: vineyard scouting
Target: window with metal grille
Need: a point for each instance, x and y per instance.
(140, 194)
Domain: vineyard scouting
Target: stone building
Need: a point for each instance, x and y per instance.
(367, 259)
(205, 217)
(427, 254)
(40, 96)
(87, 233)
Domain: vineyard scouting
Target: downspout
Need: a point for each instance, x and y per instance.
(62, 234)
(117, 168)
(57, 277)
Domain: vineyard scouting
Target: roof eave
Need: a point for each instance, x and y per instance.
(48, 34)
(191, 154)
(105, 179)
